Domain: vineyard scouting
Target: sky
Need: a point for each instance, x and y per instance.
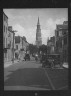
(24, 21)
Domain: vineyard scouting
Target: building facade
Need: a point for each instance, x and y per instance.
(21, 47)
(10, 43)
(51, 45)
(18, 46)
(24, 44)
(38, 35)
(18, 42)
(8, 37)
(5, 36)
(65, 42)
(61, 41)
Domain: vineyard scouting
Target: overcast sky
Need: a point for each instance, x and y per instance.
(25, 21)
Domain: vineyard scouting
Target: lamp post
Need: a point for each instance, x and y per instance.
(13, 45)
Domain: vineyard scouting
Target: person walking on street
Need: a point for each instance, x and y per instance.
(36, 57)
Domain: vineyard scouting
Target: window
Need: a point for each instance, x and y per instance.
(10, 43)
(16, 46)
(6, 42)
(60, 33)
(57, 33)
(57, 44)
(60, 44)
(9, 35)
(64, 32)
(4, 28)
(4, 17)
(65, 41)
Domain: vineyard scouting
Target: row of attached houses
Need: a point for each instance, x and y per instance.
(7, 39)
(12, 44)
(5, 35)
(21, 46)
(61, 40)
(58, 44)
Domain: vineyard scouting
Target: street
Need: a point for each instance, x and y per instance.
(29, 75)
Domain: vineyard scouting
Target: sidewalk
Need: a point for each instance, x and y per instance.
(9, 63)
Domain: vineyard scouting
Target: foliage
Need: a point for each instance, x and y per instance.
(43, 48)
(33, 48)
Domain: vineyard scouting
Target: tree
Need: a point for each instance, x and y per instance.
(33, 48)
(43, 48)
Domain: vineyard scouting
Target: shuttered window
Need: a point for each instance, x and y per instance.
(4, 28)
(65, 41)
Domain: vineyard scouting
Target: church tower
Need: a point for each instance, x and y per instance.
(38, 35)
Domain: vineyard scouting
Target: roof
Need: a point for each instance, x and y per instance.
(5, 14)
(52, 38)
(24, 38)
(62, 27)
(17, 39)
(10, 29)
(65, 22)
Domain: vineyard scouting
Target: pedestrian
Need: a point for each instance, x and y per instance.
(36, 57)
(19, 57)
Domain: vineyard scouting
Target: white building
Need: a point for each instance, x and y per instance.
(10, 43)
(21, 47)
(18, 45)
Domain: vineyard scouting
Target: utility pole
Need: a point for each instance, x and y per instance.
(13, 45)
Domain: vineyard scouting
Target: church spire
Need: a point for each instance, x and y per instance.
(38, 34)
(38, 21)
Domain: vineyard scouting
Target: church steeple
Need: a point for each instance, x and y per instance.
(38, 34)
(38, 22)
